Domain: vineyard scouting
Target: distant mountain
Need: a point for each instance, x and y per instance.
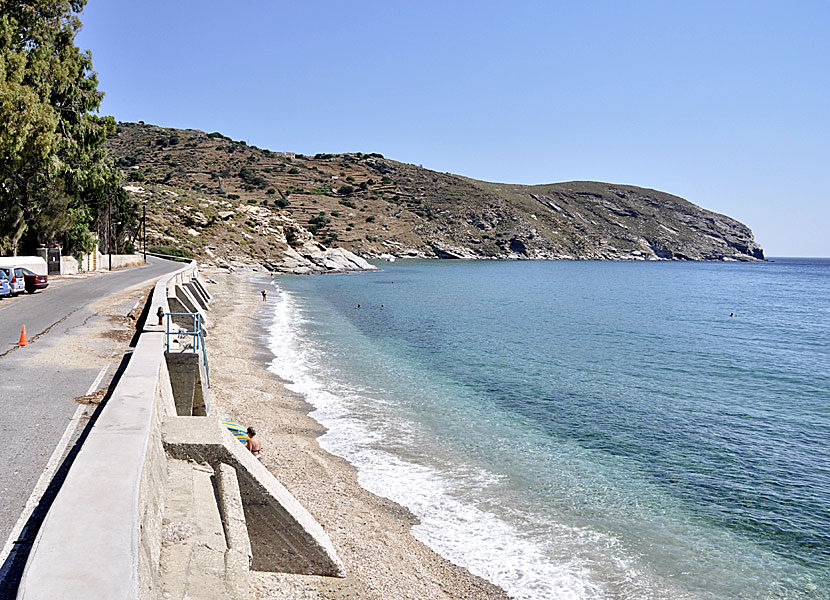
(229, 202)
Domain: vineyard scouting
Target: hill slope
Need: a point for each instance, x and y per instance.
(229, 202)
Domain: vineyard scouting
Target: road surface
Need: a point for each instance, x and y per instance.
(75, 352)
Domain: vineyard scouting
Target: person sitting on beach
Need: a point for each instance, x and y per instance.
(254, 444)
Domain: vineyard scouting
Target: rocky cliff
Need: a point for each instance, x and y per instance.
(228, 202)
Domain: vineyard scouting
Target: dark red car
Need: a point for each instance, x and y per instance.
(34, 282)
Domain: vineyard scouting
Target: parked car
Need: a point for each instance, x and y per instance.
(34, 282)
(15, 277)
(5, 288)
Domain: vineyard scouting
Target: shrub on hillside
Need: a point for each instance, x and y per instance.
(171, 251)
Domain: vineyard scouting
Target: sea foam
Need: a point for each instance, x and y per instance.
(473, 538)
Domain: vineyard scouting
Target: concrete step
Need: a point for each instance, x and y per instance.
(196, 562)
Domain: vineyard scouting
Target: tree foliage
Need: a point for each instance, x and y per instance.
(54, 177)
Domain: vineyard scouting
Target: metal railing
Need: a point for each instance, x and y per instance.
(198, 337)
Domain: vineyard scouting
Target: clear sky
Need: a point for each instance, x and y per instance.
(726, 104)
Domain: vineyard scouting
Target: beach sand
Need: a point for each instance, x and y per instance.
(371, 534)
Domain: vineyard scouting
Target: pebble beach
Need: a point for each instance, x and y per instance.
(370, 534)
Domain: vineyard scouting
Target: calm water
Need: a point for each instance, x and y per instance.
(584, 429)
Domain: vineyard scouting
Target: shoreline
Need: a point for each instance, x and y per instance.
(372, 535)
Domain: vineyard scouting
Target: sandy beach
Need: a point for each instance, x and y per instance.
(371, 534)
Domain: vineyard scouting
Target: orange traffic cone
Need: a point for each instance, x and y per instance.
(23, 341)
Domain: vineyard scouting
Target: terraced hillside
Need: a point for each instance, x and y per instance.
(228, 202)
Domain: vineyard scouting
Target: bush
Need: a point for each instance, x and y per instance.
(135, 176)
(320, 220)
(127, 161)
(348, 203)
(171, 251)
(251, 177)
(233, 196)
(293, 171)
(281, 202)
(370, 219)
(271, 191)
(345, 190)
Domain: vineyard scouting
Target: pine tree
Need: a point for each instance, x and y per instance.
(54, 176)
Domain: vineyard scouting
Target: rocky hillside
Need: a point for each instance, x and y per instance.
(227, 202)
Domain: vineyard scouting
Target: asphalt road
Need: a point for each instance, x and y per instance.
(39, 382)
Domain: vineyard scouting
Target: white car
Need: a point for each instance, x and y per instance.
(17, 283)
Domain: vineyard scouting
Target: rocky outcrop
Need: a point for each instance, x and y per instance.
(315, 258)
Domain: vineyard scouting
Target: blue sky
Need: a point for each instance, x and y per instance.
(726, 104)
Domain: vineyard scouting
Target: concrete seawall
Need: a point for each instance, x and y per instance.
(156, 461)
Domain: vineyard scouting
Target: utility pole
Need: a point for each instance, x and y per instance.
(109, 230)
(144, 225)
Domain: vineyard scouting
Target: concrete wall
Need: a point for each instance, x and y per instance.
(92, 538)
(34, 263)
(101, 537)
(98, 262)
(119, 261)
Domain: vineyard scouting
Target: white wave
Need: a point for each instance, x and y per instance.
(478, 540)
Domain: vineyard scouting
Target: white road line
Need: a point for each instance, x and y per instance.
(49, 471)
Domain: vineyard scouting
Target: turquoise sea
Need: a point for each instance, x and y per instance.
(584, 429)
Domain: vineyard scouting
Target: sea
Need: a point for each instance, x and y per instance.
(578, 429)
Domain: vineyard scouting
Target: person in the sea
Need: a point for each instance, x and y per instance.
(254, 444)
(263, 295)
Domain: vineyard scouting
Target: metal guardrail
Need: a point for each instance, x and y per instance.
(198, 337)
